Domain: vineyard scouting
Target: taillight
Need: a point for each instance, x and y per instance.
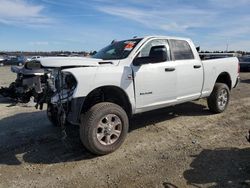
(238, 67)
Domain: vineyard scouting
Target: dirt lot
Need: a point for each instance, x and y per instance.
(181, 146)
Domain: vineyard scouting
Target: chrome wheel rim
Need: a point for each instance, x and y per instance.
(222, 99)
(109, 129)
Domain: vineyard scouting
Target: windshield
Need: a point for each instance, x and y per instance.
(117, 50)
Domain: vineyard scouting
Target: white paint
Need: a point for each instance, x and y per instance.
(165, 88)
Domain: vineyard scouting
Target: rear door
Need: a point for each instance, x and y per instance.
(189, 71)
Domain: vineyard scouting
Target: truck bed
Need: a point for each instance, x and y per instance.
(214, 67)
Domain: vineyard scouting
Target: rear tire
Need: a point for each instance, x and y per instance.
(104, 128)
(219, 98)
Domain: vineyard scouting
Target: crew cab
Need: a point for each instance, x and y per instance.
(133, 76)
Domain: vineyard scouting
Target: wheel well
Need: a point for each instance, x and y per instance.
(225, 78)
(108, 94)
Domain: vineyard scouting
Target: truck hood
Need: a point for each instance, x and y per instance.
(71, 62)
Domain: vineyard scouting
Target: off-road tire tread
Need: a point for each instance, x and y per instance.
(89, 117)
(212, 99)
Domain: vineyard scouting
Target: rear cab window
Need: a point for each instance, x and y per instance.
(180, 50)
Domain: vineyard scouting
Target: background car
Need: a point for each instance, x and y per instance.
(15, 60)
(2, 60)
(35, 57)
(244, 63)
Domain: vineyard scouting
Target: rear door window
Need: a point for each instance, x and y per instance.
(181, 50)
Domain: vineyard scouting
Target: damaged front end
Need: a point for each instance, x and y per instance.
(62, 105)
(46, 85)
(30, 82)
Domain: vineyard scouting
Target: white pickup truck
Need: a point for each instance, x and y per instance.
(130, 77)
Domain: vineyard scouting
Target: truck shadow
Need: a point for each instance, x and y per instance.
(30, 137)
(225, 167)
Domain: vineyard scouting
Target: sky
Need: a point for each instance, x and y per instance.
(78, 25)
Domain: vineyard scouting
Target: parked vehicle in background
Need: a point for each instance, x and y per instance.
(205, 56)
(244, 63)
(33, 58)
(15, 60)
(63, 55)
(36, 57)
(2, 59)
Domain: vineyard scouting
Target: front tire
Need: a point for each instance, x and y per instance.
(104, 128)
(219, 98)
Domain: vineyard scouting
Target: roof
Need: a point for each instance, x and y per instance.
(167, 37)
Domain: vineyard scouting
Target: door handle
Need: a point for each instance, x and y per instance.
(197, 66)
(169, 69)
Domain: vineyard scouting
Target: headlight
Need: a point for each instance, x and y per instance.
(70, 81)
(62, 81)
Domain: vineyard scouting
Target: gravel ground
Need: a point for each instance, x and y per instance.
(181, 146)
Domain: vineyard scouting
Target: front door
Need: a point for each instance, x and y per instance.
(155, 83)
